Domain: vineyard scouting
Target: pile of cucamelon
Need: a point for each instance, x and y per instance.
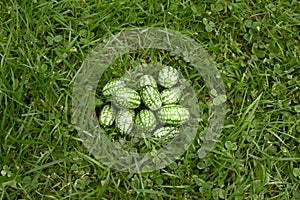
(151, 108)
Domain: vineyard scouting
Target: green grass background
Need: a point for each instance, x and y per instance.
(256, 45)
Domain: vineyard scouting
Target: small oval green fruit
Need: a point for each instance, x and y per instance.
(111, 87)
(125, 121)
(151, 97)
(173, 114)
(127, 98)
(145, 121)
(168, 76)
(107, 116)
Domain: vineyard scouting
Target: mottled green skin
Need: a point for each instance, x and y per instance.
(171, 95)
(147, 80)
(166, 131)
(151, 97)
(173, 114)
(125, 121)
(127, 98)
(111, 87)
(107, 116)
(168, 76)
(145, 121)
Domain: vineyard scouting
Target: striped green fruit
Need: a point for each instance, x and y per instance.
(111, 87)
(147, 80)
(166, 131)
(168, 76)
(125, 120)
(171, 95)
(145, 121)
(127, 98)
(151, 97)
(107, 116)
(173, 114)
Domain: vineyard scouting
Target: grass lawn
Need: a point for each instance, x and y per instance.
(256, 45)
